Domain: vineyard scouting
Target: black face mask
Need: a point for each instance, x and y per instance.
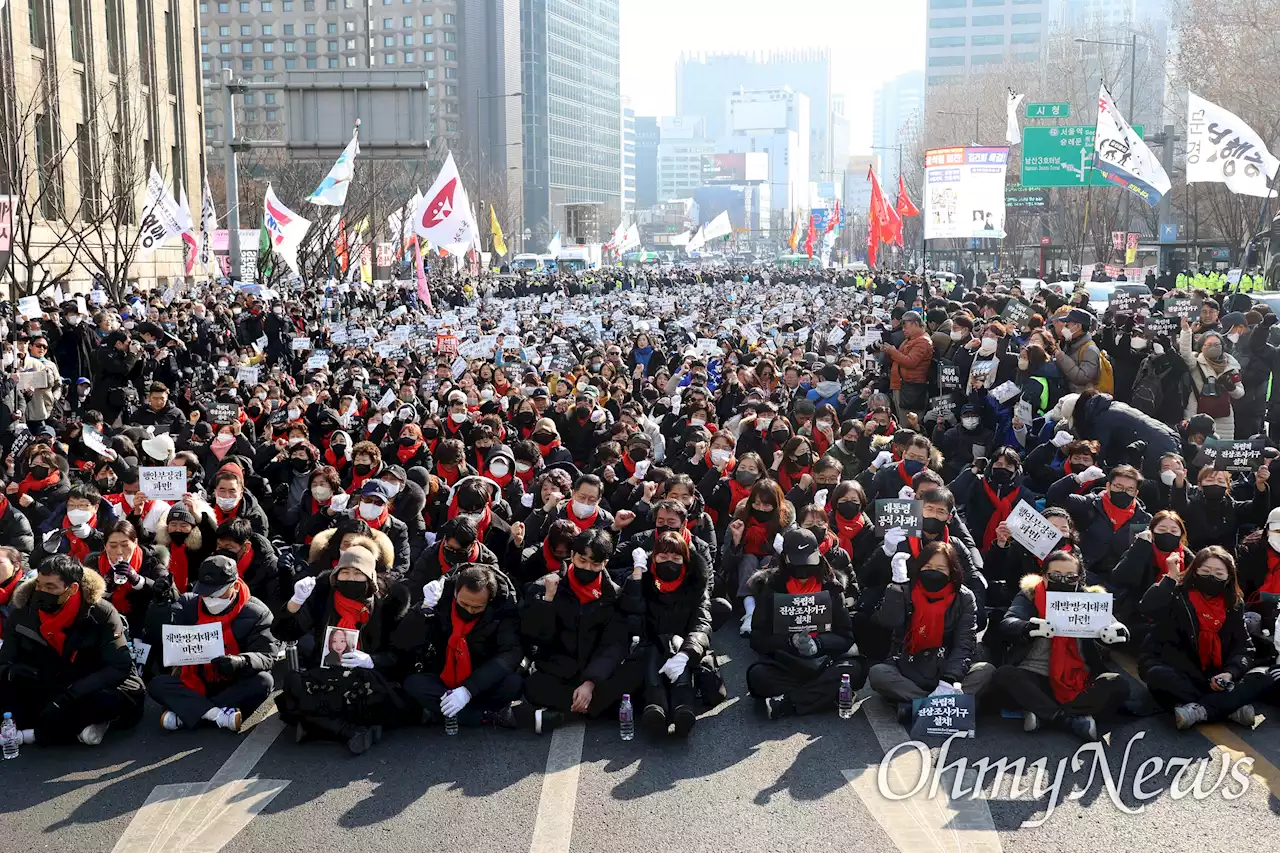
(354, 590)
(638, 454)
(762, 514)
(933, 526)
(934, 581)
(583, 412)
(300, 465)
(466, 615)
(543, 438)
(526, 418)
(804, 571)
(913, 466)
(1121, 499)
(363, 468)
(586, 577)
(228, 553)
(848, 510)
(431, 433)
(1063, 583)
(108, 487)
(1001, 476)
(46, 601)
(470, 503)
(178, 538)
(407, 441)
(667, 571)
(779, 436)
(1167, 542)
(38, 472)
(1209, 585)
(745, 478)
(339, 450)
(1212, 492)
(454, 556)
(803, 460)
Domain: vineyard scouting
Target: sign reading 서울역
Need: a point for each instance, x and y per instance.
(1060, 157)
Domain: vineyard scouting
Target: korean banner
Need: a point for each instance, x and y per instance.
(1222, 149)
(162, 217)
(1122, 157)
(964, 192)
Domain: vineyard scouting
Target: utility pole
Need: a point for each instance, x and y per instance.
(1133, 73)
(229, 90)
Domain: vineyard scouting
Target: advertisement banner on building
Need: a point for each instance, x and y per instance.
(964, 192)
(735, 168)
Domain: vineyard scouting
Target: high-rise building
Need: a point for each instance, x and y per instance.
(705, 83)
(857, 189)
(628, 158)
(967, 36)
(572, 118)
(683, 147)
(896, 103)
(840, 139)
(648, 135)
(775, 122)
(489, 74)
(97, 96)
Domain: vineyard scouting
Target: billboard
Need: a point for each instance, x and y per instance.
(735, 168)
(1061, 157)
(964, 192)
(758, 114)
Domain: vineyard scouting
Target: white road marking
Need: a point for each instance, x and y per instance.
(201, 817)
(553, 827)
(919, 824)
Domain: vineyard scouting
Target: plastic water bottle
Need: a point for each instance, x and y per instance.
(846, 698)
(626, 718)
(10, 739)
(451, 725)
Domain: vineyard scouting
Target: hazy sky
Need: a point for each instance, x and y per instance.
(870, 41)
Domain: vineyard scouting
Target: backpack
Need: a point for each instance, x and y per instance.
(1106, 376)
(1150, 383)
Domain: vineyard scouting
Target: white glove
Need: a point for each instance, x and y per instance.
(944, 689)
(899, 563)
(1061, 438)
(893, 537)
(907, 493)
(431, 593)
(302, 590)
(597, 416)
(1041, 627)
(820, 497)
(639, 558)
(454, 701)
(674, 667)
(1114, 633)
(357, 660)
(882, 459)
(526, 500)
(1088, 475)
(82, 531)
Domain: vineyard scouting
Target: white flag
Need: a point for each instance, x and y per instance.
(1011, 134)
(682, 239)
(333, 189)
(631, 240)
(162, 218)
(285, 228)
(1122, 156)
(444, 215)
(697, 241)
(209, 222)
(553, 248)
(191, 245)
(619, 235)
(1222, 149)
(718, 227)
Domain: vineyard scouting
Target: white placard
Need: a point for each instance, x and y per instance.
(163, 482)
(248, 375)
(318, 362)
(300, 344)
(1006, 391)
(964, 192)
(33, 380)
(1022, 411)
(1032, 530)
(93, 440)
(190, 645)
(29, 307)
(387, 398)
(1078, 614)
(139, 651)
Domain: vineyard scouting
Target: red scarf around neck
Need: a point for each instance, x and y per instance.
(220, 515)
(1272, 582)
(848, 529)
(1068, 673)
(53, 626)
(1161, 560)
(404, 454)
(549, 559)
(9, 587)
(30, 484)
(457, 654)
(788, 480)
(544, 449)
(501, 481)
(352, 615)
(928, 618)
(120, 595)
(1001, 508)
(585, 592)
(358, 480)
(245, 559)
(1211, 614)
(449, 473)
(77, 547)
(583, 524)
(667, 586)
(178, 566)
(473, 554)
(198, 676)
(803, 586)
(1119, 517)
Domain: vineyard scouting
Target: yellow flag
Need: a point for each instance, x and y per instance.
(499, 244)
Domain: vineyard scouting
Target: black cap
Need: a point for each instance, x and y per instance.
(800, 547)
(216, 573)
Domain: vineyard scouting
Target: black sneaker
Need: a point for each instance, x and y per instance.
(360, 740)
(504, 718)
(653, 719)
(684, 718)
(779, 706)
(906, 710)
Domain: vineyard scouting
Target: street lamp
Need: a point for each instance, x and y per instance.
(976, 113)
(480, 149)
(1132, 44)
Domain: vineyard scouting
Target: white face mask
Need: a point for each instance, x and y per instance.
(308, 399)
(987, 347)
(824, 424)
(697, 422)
(215, 605)
(957, 335)
(523, 467)
(1234, 337)
(74, 320)
(321, 493)
(458, 417)
(294, 414)
(1273, 539)
(582, 510)
(227, 503)
(128, 497)
(79, 516)
(970, 423)
(394, 487)
(1067, 334)
(1167, 477)
(718, 456)
(261, 395)
(295, 440)
(1023, 363)
(763, 423)
(370, 511)
(499, 468)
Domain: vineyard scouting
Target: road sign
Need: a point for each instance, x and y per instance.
(1048, 110)
(1026, 199)
(1061, 157)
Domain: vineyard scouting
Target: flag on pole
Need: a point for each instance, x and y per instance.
(811, 236)
(631, 240)
(191, 246)
(285, 229)
(833, 221)
(697, 241)
(795, 232)
(1123, 158)
(1011, 133)
(904, 206)
(553, 248)
(499, 242)
(444, 217)
(333, 189)
(266, 261)
(424, 292)
(1222, 149)
(718, 227)
(209, 217)
(341, 251)
(162, 217)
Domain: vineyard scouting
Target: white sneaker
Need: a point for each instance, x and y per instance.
(744, 630)
(170, 721)
(230, 719)
(92, 735)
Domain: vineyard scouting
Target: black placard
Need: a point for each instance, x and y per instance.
(809, 612)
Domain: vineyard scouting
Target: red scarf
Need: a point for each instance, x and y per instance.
(501, 481)
(583, 524)
(376, 523)
(1211, 614)
(525, 477)
(728, 468)
(77, 547)
(902, 473)
(120, 595)
(53, 626)
(544, 449)
(448, 473)
(828, 542)
(337, 462)
(788, 480)
(928, 617)
(755, 539)
(30, 484)
(628, 465)
(549, 559)
(1068, 673)
(404, 454)
(737, 494)
(848, 529)
(245, 559)
(1065, 546)
(1162, 560)
(196, 677)
(585, 593)
(178, 567)
(351, 614)
(457, 654)
(473, 554)
(1119, 517)
(667, 586)
(358, 480)
(915, 543)
(220, 515)
(804, 586)
(1001, 508)
(820, 443)
(7, 589)
(1272, 583)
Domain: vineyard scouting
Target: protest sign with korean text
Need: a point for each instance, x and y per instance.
(1078, 614)
(188, 645)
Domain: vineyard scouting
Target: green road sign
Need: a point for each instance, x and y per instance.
(1048, 110)
(1060, 157)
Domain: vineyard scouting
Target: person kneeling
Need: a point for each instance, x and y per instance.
(931, 614)
(470, 649)
(1063, 680)
(65, 669)
(802, 669)
(230, 687)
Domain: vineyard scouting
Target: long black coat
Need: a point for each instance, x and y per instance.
(951, 661)
(1173, 638)
(251, 627)
(575, 642)
(684, 612)
(1117, 425)
(389, 607)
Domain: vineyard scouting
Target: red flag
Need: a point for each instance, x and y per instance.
(873, 240)
(905, 207)
(811, 237)
(340, 249)
(833, 220)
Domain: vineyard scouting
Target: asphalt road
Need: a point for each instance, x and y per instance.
(740, 782)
